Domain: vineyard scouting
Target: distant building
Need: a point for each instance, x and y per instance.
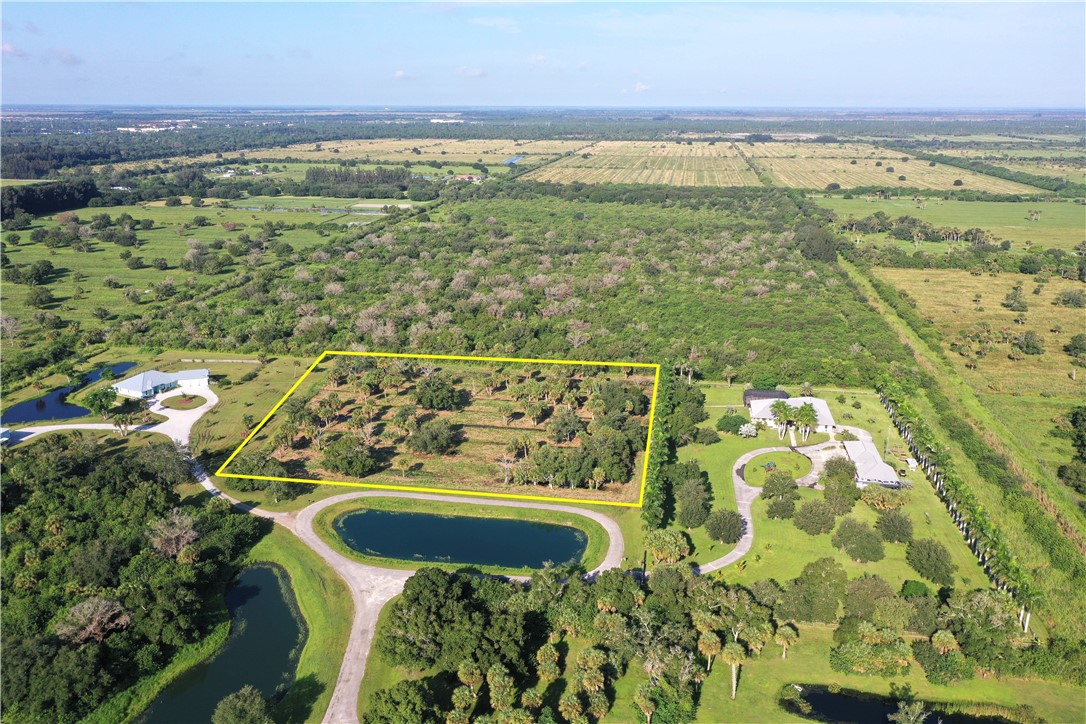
(750, 396)
(761, 410)
(870, 468)
(468, 177)
(152, 382)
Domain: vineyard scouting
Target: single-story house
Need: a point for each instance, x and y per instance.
(750, 396)
(152, 382)
(761, 410)
(870, 468)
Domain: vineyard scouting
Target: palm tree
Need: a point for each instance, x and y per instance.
(643, 698)
(728, 374)
(734, 656)
(786, 636)
(507, 462)
(123, 422)
(402, 464)
(709, 646)
(806, 418)
(782, 414)
(943, 641)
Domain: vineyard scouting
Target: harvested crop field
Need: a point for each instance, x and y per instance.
(659, 162)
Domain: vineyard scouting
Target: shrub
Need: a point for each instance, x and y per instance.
(437, 392)
(725, 526)
(859, 541)
(705, 436)
(815, 517)
(895, 527)
(434, 437)
(781, 508)
(733, 423)
(942, 669)
(350, 456)
(931, 560)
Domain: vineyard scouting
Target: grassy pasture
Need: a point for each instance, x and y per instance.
(460, 152)
(484, 435)
(1024, 395)
(1062, 225)
(817, 173)
(167, 240)
(946, 298)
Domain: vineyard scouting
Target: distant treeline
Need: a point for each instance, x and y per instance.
(27, 152)
(47, 198)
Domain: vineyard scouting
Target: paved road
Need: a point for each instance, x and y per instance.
(372, 587)
(745, 494)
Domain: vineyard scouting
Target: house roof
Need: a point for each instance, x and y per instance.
(761, 408)
(870, 467)
(749, 395)
(151, 379)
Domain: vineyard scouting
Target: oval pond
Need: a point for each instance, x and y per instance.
(460, 539)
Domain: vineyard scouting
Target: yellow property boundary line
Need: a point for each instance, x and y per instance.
(481, 494)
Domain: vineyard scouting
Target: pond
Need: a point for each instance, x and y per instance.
(266, 637)
(427, 537)
(54, 405)
(847, 706)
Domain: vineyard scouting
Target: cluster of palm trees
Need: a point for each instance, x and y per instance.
(804, 418)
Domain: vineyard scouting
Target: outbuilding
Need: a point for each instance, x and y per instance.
(870, 467)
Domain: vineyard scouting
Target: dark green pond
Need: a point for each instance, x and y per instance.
(266, 637)
(460, 539)
(852, 707)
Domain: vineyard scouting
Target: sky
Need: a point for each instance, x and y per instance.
(726, 55)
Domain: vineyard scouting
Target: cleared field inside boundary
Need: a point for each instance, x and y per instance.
(660, 162)
(486, 431)
(490, 152)
(817, 173)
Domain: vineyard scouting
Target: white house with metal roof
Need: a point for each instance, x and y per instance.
(152, 382)
(870, 468)
(761, 410)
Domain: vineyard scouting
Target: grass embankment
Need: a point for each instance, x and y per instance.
(1062, 605)
(324, 524)
(325, 604)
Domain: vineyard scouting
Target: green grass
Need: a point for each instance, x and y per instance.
(183, 402)
(325, 605)
(1062, 606)
(1060, 226)
(595, 549)
(167, 241)
(808, 663)
(794, 464)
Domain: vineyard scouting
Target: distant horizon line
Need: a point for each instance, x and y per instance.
(484, 107)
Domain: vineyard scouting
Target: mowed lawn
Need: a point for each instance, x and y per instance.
(1061, 225)
(472, 465)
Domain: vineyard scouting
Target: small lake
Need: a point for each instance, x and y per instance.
(54, 405)
(433, 538)
(849, 707)
(266, 637)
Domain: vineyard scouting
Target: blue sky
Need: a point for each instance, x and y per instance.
(923, 55)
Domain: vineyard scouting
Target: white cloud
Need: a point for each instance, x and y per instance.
(471, 72)
(537, 61)
(12, 51)
(582, 66)
(65, 56)
(640, 87)
(505, 25)
(403, 75)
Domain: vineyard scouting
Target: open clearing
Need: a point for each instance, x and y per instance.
(1061, 225)
(816, 165)
(494, 411)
